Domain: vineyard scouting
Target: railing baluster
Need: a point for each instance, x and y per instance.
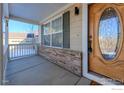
(22, 50)
(12, 51)
(34, 49)
(28, 50)
(9, 52)
(17, 50)
(25, 49)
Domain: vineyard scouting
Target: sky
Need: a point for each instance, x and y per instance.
(16, 26)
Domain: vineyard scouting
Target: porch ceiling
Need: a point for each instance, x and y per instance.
(34, 11)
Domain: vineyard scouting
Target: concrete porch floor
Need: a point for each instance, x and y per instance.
(39, 71)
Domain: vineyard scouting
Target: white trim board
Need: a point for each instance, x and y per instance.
(52, 18)
(23, 20)
(100, 79)
(1, 44)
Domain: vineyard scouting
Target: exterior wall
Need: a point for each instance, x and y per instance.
(69, 59)
(66, 58)
(76, 29)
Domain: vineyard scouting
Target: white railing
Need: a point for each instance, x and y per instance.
(21, 50)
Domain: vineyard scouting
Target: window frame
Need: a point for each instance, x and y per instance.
(51, 32)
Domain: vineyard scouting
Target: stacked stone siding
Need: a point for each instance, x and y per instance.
(68, 59)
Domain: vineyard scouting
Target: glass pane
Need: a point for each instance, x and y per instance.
(46, 34)
(57, 25)
(47, 40)
(46, 29)
(109, 33)
(57, 40)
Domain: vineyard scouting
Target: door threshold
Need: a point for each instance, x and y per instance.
(101, 79)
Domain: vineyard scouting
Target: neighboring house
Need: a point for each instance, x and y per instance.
(21, 38)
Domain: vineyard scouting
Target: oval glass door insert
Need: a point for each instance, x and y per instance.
(109, 33)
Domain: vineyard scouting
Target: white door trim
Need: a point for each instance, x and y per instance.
(1, 45)
(100, 79)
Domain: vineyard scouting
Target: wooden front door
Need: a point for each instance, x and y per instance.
(106, 40)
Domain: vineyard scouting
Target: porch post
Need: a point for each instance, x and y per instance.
(1, 46)
(6, 36)
(85, 38)
(6, 53)
(39, 32)
(6, 19)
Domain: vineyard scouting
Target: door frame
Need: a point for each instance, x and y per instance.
(93, 76)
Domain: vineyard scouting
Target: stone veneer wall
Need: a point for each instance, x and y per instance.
(66, 58)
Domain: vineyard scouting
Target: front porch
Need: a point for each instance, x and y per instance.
(58, 54)
(36, 70)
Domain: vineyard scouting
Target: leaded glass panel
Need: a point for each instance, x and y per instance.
(109, 33)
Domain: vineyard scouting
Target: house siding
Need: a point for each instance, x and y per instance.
(76, 29)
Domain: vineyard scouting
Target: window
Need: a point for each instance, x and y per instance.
(30, 35)
(57, 34)
(109, 33)
(53, 34)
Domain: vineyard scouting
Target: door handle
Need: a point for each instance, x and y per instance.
(89, 46)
